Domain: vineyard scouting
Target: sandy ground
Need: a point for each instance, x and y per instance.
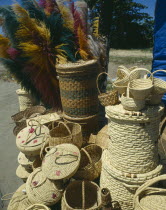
(8, 151)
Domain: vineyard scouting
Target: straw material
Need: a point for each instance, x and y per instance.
(19, 200)
(78, 88)
(19, 127)
(81, 195)
(37, 163)
(31, 139)
(34, 111)
(134, 151)
(159, 84)
(123, 186)
(38, 207)
(155, 99)
(90, 164)
(61, 162)
(109, 98)
(88, 125)
(25, 160)
(25, 99)
(66, 133)
(147, 198)
(42, 190)
(23, 173)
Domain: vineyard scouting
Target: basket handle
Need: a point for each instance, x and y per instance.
(124, 69)
(158, 71)
(140, 69)
(98, 80)
(87, 154)
(83, 194)
(36, 206)
(65, 125)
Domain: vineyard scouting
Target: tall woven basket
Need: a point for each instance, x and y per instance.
(25, 99)
(122, 186)
(78, 88)
(133, 138)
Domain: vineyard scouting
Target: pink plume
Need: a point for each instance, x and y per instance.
(13, 53)
(42, 3)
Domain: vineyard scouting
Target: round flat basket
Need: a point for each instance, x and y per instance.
(37, 207)
(42, 190)
(31, 139)
(82, 195)
(148, 198)
(159, 84)
(90, 164)
(61, 162)
(34, 111)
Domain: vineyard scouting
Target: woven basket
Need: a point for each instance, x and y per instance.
(78, 90)
(37, 163)
(34, 111)
(82, 195)
(23, 173)
(19, 127)
(66, 133)
(42, 190)
(90, 164)
(142, 87)
(159, 84)
(130, 103)
(38, 207)
(109, 98)
(25, 99)
(123, 186)
(155, 99)
(148, 198)
(25, 160)
(88, 125)
(133, 138)
(19, 117)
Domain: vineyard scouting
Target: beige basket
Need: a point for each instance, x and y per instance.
(42, 190)
(109, 98)
(23, 173)
(25, 99)
(148, 198)
(123, 186)
(66, 133)
(26, 160)
(82, 195)
(142, 87)
(35, 111)
(159, 84)
(133, 138)
(38, 207)
(130, 103)
(90, 164)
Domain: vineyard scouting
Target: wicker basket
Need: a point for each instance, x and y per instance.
(142, 87)
(159, 84)
(42, 190)
(34, 111)
(25, 99)
(123, 186)
(90, 164)
(25, 160)
(109, 98)
(130, 103)
(88, 125)
(19, 127)
(23, 173)
(134, 151)
(148, 198)
(37, 207)
(82, 195)
(66, 133)
(78, 88)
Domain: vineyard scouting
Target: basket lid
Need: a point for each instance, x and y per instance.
(42, 190)
(22, 173)
(61, 161)
(30, 139)
(25, 160)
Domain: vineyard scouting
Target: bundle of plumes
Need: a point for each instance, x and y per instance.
(40, 35)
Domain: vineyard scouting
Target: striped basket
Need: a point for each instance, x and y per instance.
(78, 88)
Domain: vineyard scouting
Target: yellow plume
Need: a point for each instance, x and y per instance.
(4, 45)
(96, 27)
(61, 54)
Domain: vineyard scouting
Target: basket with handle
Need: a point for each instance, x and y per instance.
(142, 87)
(108, 98)
(90, 164)
(37, 207)
(66, 133)
(130, 103)
(82, 195)
(159, 84)
(148, 198)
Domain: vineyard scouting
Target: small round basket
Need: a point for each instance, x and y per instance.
(90, 164)
(82, 195)
(142, 87)
(38, 207)
(34, 111)
(108, 98)
(148, 198)
(159, 84)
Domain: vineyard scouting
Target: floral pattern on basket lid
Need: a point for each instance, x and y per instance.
(61, 161)
(31, 139)
(42, 190)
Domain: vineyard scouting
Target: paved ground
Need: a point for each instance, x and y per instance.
(8, 151)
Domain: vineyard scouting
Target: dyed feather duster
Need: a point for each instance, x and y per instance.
(4, 46)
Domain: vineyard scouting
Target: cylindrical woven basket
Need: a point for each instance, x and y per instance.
(81, 195)
(122, 186)
(78, 89)
(90, 164)
(142, 87)
(66, 133)
(25, 99)
(159, 84)
(133, 138)
(34, 111)
(148, 198)
(37, 207)
(108, 98)
(42, 190)
(88, 125)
